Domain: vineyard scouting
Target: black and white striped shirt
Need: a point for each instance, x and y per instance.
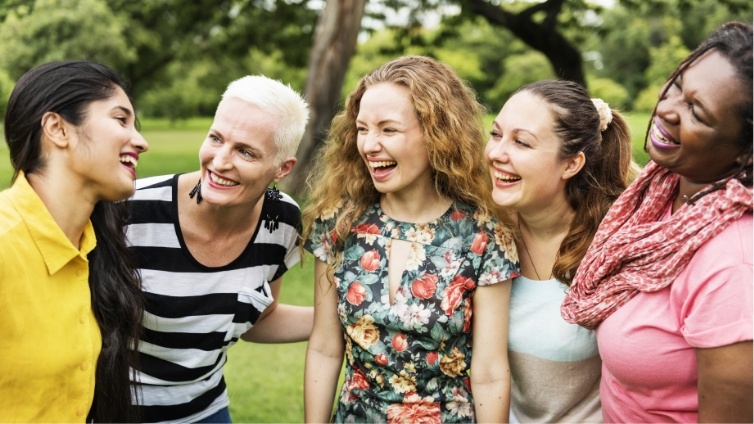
(194, 313)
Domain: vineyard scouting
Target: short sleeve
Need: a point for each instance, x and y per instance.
(500, 258)
(719, 313)
(716, 289)
(320, 239)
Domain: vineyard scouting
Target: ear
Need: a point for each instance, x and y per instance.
(574, 165)
(56, 129)
(285, 168)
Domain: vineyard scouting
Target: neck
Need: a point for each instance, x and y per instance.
(541, 235)
(547, 223)
(686, 190)
(217, 221)
(415, 208)
(68, 204)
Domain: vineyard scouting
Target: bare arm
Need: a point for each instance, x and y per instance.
(725, 383)
(280, 323)
(324, 354)
(490, 373)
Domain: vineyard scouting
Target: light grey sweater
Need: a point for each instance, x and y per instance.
(555, 366)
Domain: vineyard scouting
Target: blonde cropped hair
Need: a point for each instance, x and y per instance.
(451, 122)
(279, 100)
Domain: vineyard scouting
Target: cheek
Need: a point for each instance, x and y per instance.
(360, 145)
(204, 153)
(487, 151)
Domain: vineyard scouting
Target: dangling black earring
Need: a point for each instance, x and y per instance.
(272, 217)
(197, 191)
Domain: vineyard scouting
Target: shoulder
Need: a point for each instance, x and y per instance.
(9, 217)
(290, 205)
(156, 181)
(153, 200)
(287, 209)
(155, 188)
(720, 268)
(732, 246)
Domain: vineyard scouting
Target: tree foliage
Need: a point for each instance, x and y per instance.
(180, 54)
(48, 30)
(157, 43)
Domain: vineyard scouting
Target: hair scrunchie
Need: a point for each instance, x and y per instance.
(605, 113)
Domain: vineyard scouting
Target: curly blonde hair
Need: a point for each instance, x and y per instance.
(451, 122)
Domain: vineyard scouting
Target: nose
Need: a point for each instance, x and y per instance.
(371, 142)
(668, 106)
(139, 142)
(222, 159)
(497, 152)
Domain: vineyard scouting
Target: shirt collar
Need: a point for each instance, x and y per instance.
(52, 243)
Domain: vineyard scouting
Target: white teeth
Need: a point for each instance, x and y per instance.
(128, 159)
(382, 163)
(505, 177)
(222, 181)
(658, 135)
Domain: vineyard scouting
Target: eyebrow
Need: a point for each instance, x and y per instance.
(238, 144)
(495, 125)
(383, 122)
(125, 110)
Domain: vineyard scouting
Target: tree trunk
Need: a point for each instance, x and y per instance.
(544, 37)
(334, 43)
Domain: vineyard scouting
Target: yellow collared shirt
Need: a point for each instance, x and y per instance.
(49, 338)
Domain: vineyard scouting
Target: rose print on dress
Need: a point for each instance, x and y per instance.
(424, 287)
(399, 342)
(453, 364)
(412, 412)
(416, 351)
(363, 332)
(357, 381)
(453, 295)
(367, 231)
(479, 243)
(370, 260)
(381, 359)
(356, 293)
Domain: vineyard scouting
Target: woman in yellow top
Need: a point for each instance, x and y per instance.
(70, 303)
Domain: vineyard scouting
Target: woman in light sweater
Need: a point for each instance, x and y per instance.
(558, 160)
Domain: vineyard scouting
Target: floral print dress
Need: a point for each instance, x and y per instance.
(409, 360)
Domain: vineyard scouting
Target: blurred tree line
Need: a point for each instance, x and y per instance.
(180, 54)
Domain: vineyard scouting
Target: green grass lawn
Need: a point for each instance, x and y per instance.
(265, 382)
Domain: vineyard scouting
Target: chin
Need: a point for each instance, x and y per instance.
(502, 200)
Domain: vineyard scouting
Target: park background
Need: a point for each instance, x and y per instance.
(179, 55)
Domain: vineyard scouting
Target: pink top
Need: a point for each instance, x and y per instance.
(648, 344)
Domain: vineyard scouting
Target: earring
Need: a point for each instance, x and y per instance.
(197, 191)
(272, 217)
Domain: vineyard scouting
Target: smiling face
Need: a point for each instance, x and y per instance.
(523, 156)
(238, 156)
(390, 141)
(107, 148)
(697, 125)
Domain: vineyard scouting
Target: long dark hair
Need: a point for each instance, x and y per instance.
(607, 171)
(733, 40)
(68, 88)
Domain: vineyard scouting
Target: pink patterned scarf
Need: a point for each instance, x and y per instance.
(633, 251)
